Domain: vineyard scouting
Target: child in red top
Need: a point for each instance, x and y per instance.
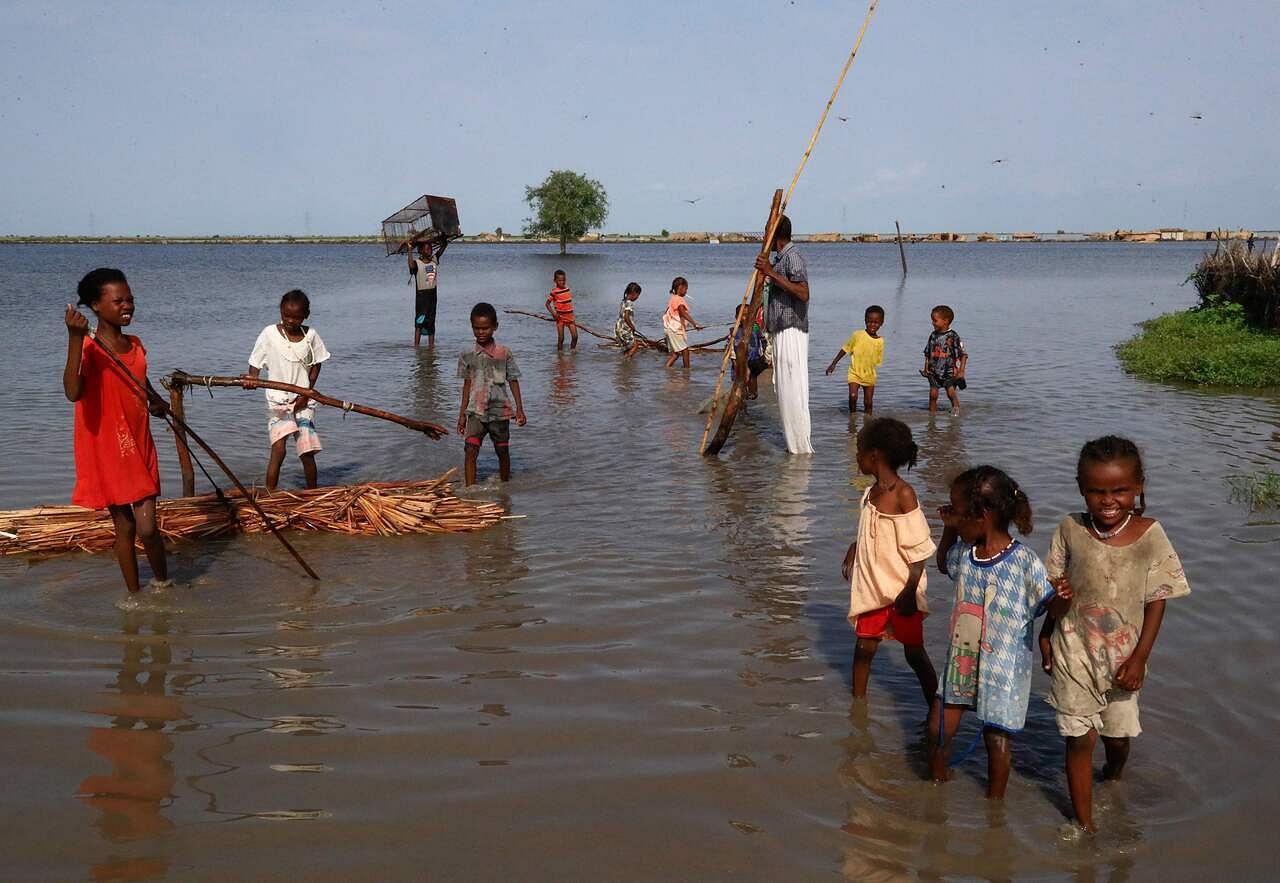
(560, 305)
(116, 467)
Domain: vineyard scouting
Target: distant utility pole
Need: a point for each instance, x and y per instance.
(902, 252)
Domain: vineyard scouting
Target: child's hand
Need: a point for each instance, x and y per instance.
(157, 406)
(948, 516)
(248, 382)
(1046, 654)
(830, 368)
(1131, 673)
(300, 404)
(462, 424)
(846, 569)
(77, 324)
(905, 603)
(1062, 586)
(520, 418)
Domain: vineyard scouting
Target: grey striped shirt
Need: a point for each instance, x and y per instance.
(786, 310)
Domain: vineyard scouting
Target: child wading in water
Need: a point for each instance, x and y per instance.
(866, 350)
(885, 565)
(560, 306)
(625, 328)
(676, 320)
(424, 272)
(489, 369)
(1121, 568)
(292, 353)
(944, 359)
(1001, 587)
(116, 464)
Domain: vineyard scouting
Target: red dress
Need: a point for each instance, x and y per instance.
(115, 455)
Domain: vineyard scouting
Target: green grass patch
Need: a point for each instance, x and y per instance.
(1210, 345)
(1259, 492)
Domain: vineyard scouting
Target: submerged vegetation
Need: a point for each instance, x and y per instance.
(1259, 492)
(1230, 339)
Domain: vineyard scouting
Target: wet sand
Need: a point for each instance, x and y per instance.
(648, 676)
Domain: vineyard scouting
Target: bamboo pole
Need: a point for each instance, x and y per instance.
(177, 423)
(182, 378)
(902, 252)
(609, 338)
(180, 439)
(769, 233)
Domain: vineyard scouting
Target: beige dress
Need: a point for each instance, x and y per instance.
(887, 547)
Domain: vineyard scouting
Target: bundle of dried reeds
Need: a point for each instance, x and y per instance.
(381, 508)
(1234, 274)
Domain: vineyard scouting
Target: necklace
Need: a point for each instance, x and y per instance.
(980, 560)
(1106, 536)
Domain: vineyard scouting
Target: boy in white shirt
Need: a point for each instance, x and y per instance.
(292, 353)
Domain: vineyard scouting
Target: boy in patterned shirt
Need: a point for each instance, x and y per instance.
(944, 359)
(491, 387)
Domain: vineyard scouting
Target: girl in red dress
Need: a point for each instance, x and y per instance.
(116, 467)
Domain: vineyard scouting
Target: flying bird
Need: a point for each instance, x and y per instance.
(843, 119)
(692, 201)
(1196, 116)
(994, 161)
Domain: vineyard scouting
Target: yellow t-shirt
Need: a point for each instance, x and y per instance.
(865, 353)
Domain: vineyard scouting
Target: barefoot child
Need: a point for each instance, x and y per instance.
(292, 353)
(675, 321)
(116, 464)
(866, 350)
(1122, 569)
(625, 328)
(1001, 588)
(944, 359)
(885, 565)
(424, 271)
(489, 369)
(560, 306)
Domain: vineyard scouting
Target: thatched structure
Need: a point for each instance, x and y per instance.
(1233, 274)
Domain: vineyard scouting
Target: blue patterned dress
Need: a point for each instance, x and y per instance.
(989, 661)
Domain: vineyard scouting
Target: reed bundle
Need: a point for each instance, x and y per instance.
(374, 508)
(1233, 274)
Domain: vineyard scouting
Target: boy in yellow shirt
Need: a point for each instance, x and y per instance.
(866, 350)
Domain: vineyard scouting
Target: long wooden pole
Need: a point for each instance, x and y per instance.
(902, 252)
(180, 439)
(772, 230)
(178, 424)
(432, 430)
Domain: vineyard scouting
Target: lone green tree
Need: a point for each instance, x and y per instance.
(565, 205)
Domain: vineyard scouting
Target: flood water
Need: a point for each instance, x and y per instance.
(648, 676)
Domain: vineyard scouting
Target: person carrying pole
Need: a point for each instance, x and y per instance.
(787, 324)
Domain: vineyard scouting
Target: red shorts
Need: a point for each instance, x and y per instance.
(887, 622)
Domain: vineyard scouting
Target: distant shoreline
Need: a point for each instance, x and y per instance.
(677, 238)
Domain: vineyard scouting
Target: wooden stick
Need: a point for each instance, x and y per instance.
(180, 439)
(768, 239)
(179, 424)
(611, 339)
(431, 430)
(902, 252)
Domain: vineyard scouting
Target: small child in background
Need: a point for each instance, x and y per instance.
(676, 320)
(625, 328)
(866, 350)
(487, 406)
(423, 273)
(1001, 587)
(116, 464)
(885, 564)
(944, 359)
(1121, 568)
(560, 305)
(292, 353)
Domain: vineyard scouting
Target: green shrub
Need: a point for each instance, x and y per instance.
(1259, 492)
(1208, 345)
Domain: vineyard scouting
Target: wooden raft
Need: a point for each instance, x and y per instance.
(370, 509)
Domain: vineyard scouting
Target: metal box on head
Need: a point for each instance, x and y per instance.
(432, 219)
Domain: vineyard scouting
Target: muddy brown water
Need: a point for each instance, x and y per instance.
(647, 677)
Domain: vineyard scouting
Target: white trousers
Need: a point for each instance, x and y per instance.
(791, 385)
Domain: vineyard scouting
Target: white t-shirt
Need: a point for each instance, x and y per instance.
(425, 273)
(287, 361)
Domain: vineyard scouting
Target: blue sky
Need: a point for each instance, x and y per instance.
(233, 117)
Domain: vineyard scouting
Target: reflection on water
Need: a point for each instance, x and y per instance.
(131, 798)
